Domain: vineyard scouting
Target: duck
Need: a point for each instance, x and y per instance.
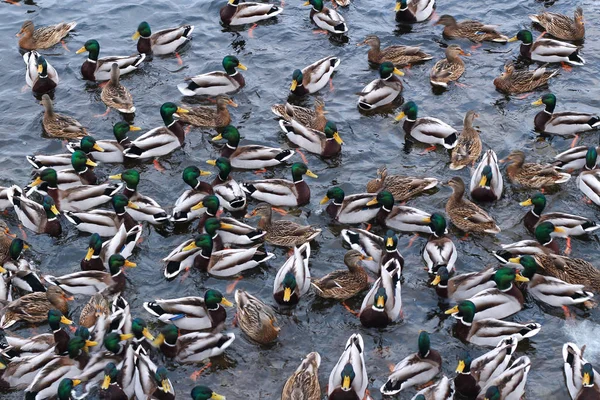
(250, 156)
(402, 187)
(58, 162)
(464, 286)
(443, 389)
(43, 37)
(209, 117)
(255, 318)
(383, 91)
(231, 194)
(192, 313)
(563, 123)
(282, 233)
(510, 384)
(475, 31)
(588, 179)
(22, 273)
(344, 284)
(487, 183)
(59, 125)
(34, 307)
(151, 380)
(115, 95)
(81, 173)
(205, 393)
(348, 378)
(576, 368)
(349, 209)
(40, 76)
(165, 41)
(217, 82)
(522, 247)
(466, 215)
(6, 239)
(95, 312)
(104, 222)
(575, 271)
(314, 77)
(304, 382)
(293, 278)
(414, 10)
(326, 18)
(513, 81)
(383, 304)
(396, 54)
(236, 13)
(468, 148)
(110, 388)
(310, 118)
(547, 50)
(414, 370)
(561, 26)
(326, 143)
(427, 130)
(147, 208)
(184, 209)
(230, 231)
(448, 69)
(192, 347)
(106, 151)
(573, 159)
(532, 175)
(369, 244)
(440, 251)
(39, 218)
(123, 243)
(98, 69)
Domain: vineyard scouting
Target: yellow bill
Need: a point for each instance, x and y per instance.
(373, 202)
(189, 247)
(160, 339)
(226, 226)
(65, 320)
(346, 383)
(337, 138)
(398, 7)
(126, 336)
(98, 148)
(147, 334)
(324, 200)
(525, 203)
(398, 72)
(218, 137)
(136, 36)
(294, 85)
(54, 210)
(182, 110)
(311, 174)
(129, 264)
(538, 102)
(106, 382)
(521, 278)
(400, 116)
(89, 254)
(380, 302)
(216, 396)
(90, 163)
(81, 50)
(226, 302)
(436, 280)
(117, 176)
(40, 68)
(134, 128)
(37, 181)
(453, 310)
(461, 367)
(133, 205)
(513, 39)
(211, 162)
(483, 181)
(389, 242)
(287, 294)
(198, 206)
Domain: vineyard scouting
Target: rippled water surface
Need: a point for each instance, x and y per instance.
(248, 370)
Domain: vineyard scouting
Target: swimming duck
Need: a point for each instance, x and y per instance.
(230, 193)
(314, 77)
(59, 125)
(98, 69)
(313, 119)
(81, 173)
(4, 202)
(165, 41)
(104, 222)
(547, 50)
(513, 82)
(151, 381)
(563, 123)
(448, 69)
(349, 209)
(464, 286)
(523, 247)
(106, 151)
(571, 270)
(115, 95)
(344, 284)
(205, 393)
(560, 26)
(110, 388)
(327, 143)
(255, 318)
(304, 382)
(439, 251)
(588, 179)
(486, 182)
(427, 129)
(207, 116)
(293, 278)
(383, 304)
(62, 161)
(34, 307)
(466, 215)
(348, 378)
(382, 91)
(576, 368)
(414, 10)
(184, 209)
(40, 76)
(369, 244)
(22, 274)
(250, 156)
(396, 54)
(443, 390)
(192, 347)
(236, 13)
(531, 175)
(123, 243)
(40, 218)
(217, 82)
(230, 231)
(44, 37)
(510, 384)
(283, 233)
(148, 209)
(94, 314)
(326, 18)
(472, 30)
(468, 146)
(402, 187)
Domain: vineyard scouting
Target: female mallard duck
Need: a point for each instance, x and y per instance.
(530, 175)
(327, 143)
(304, 382)
(236, 13)
(217, 82)
(414, 10)
(348, 378)
(427, 129)
(383, 304)
(98, 69)
(560, 26)
(44, 37)
(487, 183)
(281, 192)
(205, 393)
(313, 119)
(115, 95)
(192, 347)
(230, 193)
(547, 50)
(250, 156)
(95, 311)
(513, 82)
(349, 209)
(255, 318)
(464, 286)
(344, 284)
(510, 384)
(563, 123)
(106, 151)
(104, 222)
(314, 77)
(151, 381)
(34, 307)
(191, 313)
(209, 117)
(40, 218)
(448, 69)
(162, 140)
(440, 251)
(414, 370)
(165, 41)
(576, 368)
(475, 31)
(81, 173)
(383, 91)
(40, 76)
(468, 147)
(402, 187)
(283, 233)
(59, 125)
(326, 18)
(466, 215)
(293, 278)
(396, 54)
(186, 208)
(148, 209)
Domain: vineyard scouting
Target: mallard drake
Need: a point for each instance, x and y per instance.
(81, 173)
(44, 37)
(440, 251)
(383, 91)
(344, 284)
(192, 347)
(468, 147)
(106, 151)
(250, 156)
(61, 161)
(231, 194)
(236, 13)
(414, 370)
(142, 337)
(217, 82)
(383, 304)
(349, 209)
(255, 318)
(369, 244)
(230, 231)
(427, 129)
(59, 125)
(283, 233)
(414, 10)
(148, 209)
(314, 77)
(4, 202)
(23, 274)
(115, 95)
(313, 119)
(563, 123)
(207, 116)
(464, 286)
(40, 76)
(205, 393)
(185, 207)
(151, 381)
(165, 41)
(547, 50)
(122, 243)
(442, 390)
(510, 384)
(402, 187)
(98, 69)
(466, 215)
(475, 31)
(560, 26)
(576, 368)
(326, 18)
(293, 278)
(40, 218)
(348, 378)
(523, 247)
(448, 69)
(304, 382)
(103, 222)
(34, 307)
(489, 331)
(513, 82)
(396, 54)
(110, 388)
(191, 313)
(162, 140)
(531, 175)
(571, 270)
(487, 183)
(327, 143)
(588, 180)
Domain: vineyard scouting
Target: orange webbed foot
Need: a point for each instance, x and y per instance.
(157, 165)
(64, 45)
(194, 376)
(103, 115)
(251, 31)
(351, 311)
(179, 60)
(231, 287)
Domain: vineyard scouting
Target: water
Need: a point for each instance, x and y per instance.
(278, 47)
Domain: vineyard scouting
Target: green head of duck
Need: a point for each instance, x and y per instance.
(110, 375)
(213, 299)
(205, 393)
(409, 110)
(140, 329)
(424, 344)
(465, 311)
(191, 174)
(223, 165)
(391, 240)
(587, 372)
(530, 266)
(76, 345)
(16, 247)
(230, 63)
(211, 203)
(116, 262)
(348, 376)
(492, 393)
(380, 299)
(50, 208)
(168, 334)
(336, 194)
(299, 170)
(486, 177)
(538, 201)
(47, 175)
(42, 67)
(438, 224)
(143, 30)
(504, 277)
(204, 241)
(65, 387)
(112, 341)
(162, 378)
(524, 36)
(441, 277)
(168, 111)
(80, 161)
(55, 318)
(543, 232)
(94, 246)
(297, 78)
(317, 5)
(590, 158)
(89, 144)
(387, 70)
(464, 364)
(289, 285)
(331, 132)
(231, 134)
(121, 129)
(120, 201)
(385, 199)
(131, 177)
(92, 47)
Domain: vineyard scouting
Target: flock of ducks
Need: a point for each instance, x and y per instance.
(115, 353)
